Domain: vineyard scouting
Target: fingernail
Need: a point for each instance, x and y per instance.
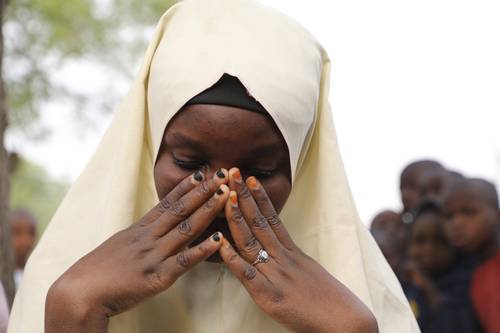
(236, 175)
(252, 183)
(220, 191)
(198, 176)
(220, 173)
(234, 198)
(216, 237)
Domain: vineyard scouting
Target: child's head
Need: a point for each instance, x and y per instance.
(434, 183)
(472, 213)
(23, 229)
(386, 220)
(410, 193)
(429, 247)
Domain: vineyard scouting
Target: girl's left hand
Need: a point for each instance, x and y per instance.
(291, 287)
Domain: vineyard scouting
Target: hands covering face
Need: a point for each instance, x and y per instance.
(149, 256)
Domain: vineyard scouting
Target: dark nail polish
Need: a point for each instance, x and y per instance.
(198, 176)
(220, 173)
(216, 237)
(220, 191)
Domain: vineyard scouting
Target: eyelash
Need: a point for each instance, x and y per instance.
(196, 165)
(261, 174)
(189, 165)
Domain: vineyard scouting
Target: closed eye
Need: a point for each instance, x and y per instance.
(190, 165)
(259, 173)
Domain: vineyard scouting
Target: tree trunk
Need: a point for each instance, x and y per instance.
(6, 256)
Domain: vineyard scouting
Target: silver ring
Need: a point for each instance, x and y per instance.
(262, 257)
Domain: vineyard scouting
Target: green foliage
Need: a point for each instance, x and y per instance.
(32, 189)
(41, 35)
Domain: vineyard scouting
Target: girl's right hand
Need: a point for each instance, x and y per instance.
(140, 261)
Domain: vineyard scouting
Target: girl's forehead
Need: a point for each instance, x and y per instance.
(223, 120)
(217, 126)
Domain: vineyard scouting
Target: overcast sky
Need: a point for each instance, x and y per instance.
(410, 80)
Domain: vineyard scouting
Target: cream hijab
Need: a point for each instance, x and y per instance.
(284, 68)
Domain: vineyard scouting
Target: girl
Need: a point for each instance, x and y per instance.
(226, 126)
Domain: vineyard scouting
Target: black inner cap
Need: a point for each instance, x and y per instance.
(228, 91)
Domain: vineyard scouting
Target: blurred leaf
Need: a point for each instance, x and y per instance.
(43, 35)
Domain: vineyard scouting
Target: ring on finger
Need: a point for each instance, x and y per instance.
(262, 257)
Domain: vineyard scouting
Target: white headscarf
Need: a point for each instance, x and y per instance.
(287, 71)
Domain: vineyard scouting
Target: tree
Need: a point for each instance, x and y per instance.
(6, 257)
(40, 37)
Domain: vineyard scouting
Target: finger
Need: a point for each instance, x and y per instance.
(256, 221)
(174, 266)
(186, 185)
(190, 228)
(177, 210)
(253, 280)
(248, 246)
(267, 209)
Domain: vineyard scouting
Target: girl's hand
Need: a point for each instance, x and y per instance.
(140, 261)
(291, 287)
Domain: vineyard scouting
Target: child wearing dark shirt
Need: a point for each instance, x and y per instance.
(473, 222)
(440, 286)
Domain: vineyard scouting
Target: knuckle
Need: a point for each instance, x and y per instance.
(233, 257)
(165, 205)
(277, 297)
(209, 204)
(259, 222)
(134, 236)
(179, 209)
(250, 273)
(238, 217)
(155, 279)
(204, 188)
(184, 228)
(274, 220)
(182, 259)
(251, 244)
(244, 192)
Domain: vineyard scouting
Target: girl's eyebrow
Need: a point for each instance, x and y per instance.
(268, 149)
(179, 139)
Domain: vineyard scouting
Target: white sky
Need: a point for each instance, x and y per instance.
(410, 79)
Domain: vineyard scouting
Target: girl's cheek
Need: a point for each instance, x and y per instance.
(278, 191)
(166, 178)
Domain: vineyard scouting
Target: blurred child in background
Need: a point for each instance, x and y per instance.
(409, 186)
(390, 234)
(440, 292)
(473, 220)
(23, 229)
(387, 221)
(434, 183)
